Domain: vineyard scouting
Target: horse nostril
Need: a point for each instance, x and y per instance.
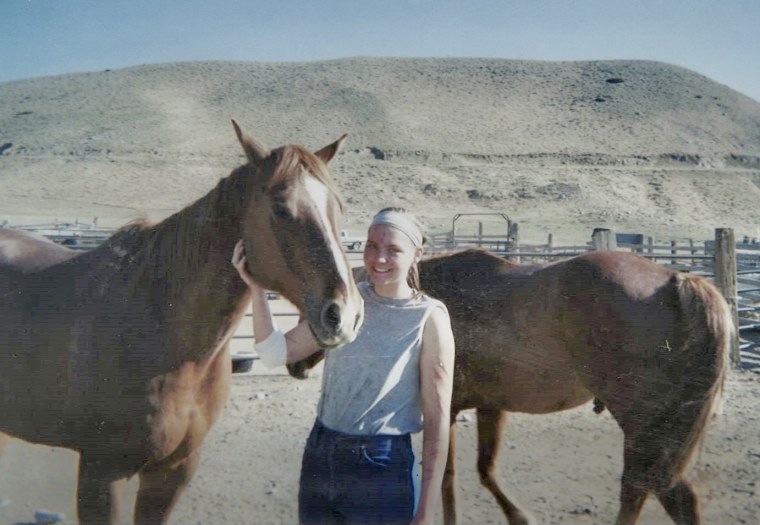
(357, 321)
(331, 316)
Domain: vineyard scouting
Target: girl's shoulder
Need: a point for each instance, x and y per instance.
(432, 301)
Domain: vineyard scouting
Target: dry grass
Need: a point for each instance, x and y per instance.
(560, 147)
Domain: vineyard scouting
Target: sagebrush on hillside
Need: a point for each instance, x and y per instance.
(561, 147)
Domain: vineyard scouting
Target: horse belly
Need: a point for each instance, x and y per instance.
(518, 364)
(540, 390)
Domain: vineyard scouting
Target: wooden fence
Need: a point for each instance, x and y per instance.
(733, 267)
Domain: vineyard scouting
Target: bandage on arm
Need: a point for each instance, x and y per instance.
(273, 351)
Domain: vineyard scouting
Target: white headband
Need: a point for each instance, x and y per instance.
(401, 222)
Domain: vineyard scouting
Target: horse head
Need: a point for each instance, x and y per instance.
(290, 230)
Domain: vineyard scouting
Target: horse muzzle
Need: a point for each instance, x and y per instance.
(336, 322)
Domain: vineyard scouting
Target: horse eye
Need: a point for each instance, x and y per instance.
(280, 211)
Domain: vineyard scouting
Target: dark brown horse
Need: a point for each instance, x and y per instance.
(648, 343)
(121, 353)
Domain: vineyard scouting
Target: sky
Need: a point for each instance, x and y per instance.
(717, 38)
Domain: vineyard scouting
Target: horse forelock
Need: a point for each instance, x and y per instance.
(294, 161)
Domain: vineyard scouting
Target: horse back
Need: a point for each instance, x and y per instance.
(618, 303)
(29, 252)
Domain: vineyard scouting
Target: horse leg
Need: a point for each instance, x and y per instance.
(681, 503)
(449, 477)
(654, 458)
(632, 500)
(160, 489)
(117, 495)
(94, 494)
(633, 493)
(491, 423)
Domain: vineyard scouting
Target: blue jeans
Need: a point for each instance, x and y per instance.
(347, 479)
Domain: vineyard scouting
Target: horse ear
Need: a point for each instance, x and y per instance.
(328, 152)
(254, 150)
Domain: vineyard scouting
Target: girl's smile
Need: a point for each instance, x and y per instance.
(388, 256)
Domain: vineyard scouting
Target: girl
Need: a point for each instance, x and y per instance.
(394, 379)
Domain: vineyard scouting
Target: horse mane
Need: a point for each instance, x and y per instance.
(195, 227)
(176, 243)
(179, 244)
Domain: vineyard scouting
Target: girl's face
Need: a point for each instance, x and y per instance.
(388, 256)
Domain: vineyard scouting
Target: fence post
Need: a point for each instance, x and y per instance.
(725, 280)
(693, 252)
(514, 234)
(604, 239)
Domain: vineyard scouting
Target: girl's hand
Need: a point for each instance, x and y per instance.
(238, 261)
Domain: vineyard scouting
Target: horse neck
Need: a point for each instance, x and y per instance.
(192, 249)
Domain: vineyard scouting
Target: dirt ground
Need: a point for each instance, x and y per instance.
(563, 467)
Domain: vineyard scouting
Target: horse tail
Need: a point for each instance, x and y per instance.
(708, 330)
(719, 325)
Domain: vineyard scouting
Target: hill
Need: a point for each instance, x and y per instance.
(561, 147)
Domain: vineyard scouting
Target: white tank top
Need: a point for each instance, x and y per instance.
(372, 385)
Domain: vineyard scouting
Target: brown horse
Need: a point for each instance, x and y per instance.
(121, 353)
(648, 343)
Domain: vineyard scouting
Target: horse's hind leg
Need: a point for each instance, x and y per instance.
(160, 489)
(679, 499)
(491, 423)
(635, 485)
(632, 498)
(681, 503)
